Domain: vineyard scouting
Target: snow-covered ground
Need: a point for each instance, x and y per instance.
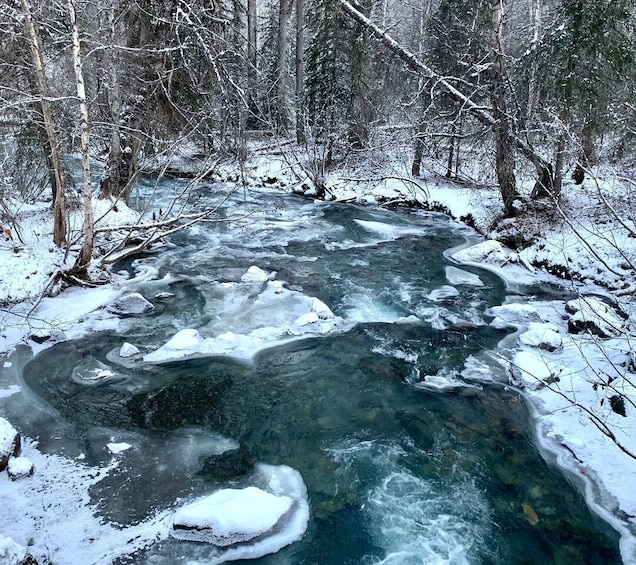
(580, 386)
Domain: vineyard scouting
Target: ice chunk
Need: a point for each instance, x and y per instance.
(118, 447)
(128, 350)
(443, 293)
(457, 276)
(255, 274)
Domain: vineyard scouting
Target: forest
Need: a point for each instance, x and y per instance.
(539, 89)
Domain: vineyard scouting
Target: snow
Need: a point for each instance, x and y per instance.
(230, 516)
(251, 522)
(117, 448)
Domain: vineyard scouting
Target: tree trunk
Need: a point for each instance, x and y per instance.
(57, 187)
(535, 18)
(300, 72)
(86, 254)
(253, 117)
(504, 152)
(281, 118)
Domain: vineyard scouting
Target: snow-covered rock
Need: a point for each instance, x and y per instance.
(513, 315)
(20, 468)
(591, 314)
(531, 369)
(542, 336)
(255, 274)
(133, 304)
(490, 251)
(128, 350)
(231, 516)
(12, 553)
(443, 293)
(10, 443)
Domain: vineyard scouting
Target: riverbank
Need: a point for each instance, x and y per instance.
(591, 369)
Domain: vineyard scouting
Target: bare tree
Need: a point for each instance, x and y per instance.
(54, 158)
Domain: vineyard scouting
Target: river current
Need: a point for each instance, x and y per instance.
(412, 448)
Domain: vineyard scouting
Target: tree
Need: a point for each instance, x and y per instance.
(53, 158)
(583, 59)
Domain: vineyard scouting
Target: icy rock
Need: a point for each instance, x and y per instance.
(513, 315)
(255, 274)
(457, 276)
(542, 336)
(133, 304)
(20, 468)
(12, 553)
(530, 369)
(10, 443)
(231, 516)
(128, 350)
(164, 295)
(590, 314)
(443, 293)
(490, 251)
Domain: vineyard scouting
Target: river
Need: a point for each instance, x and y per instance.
(412, 447)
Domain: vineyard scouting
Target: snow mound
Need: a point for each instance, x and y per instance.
(542, 336)
(251, 522)
(133, 304)
(231, 516)
(596, 316)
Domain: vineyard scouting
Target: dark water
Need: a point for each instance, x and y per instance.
(396, 473)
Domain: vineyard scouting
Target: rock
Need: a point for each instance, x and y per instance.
(164, 295)
(12, 553)
(228, 465)
(232, 516)
(593, 315)
(130, 305)
(128, 350)
(10, 443)
(20, 468)
(542, 336)
(255, 274)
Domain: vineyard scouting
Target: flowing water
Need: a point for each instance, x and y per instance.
(408, 457)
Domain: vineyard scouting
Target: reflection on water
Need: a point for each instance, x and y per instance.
(397, 472)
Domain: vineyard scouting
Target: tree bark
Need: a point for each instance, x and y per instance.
(504, 152)
(252, 62)
(57, 187)
(282, 121)
(86, 254)
(300, 71)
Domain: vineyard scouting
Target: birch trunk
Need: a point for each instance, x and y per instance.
(37, 52)
(84, 259)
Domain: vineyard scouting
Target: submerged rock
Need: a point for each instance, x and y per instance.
(10, 443)
(232, 516)
(130, 305)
